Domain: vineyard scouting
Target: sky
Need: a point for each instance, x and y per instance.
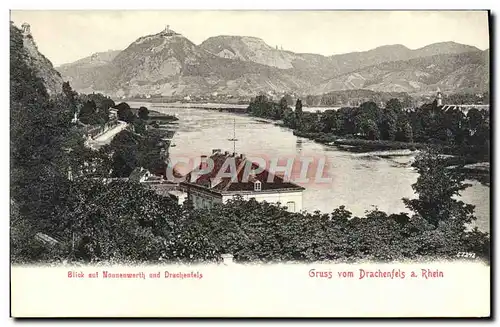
(66, 36)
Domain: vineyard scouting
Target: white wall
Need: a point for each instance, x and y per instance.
(202, 200)
(283, 198)
(181, 197)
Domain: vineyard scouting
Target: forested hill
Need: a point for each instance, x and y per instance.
(39, 134)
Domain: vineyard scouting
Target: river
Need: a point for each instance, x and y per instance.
(360, 182)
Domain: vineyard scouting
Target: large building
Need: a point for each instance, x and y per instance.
(205, 189)
(465, 107)
(462, 107)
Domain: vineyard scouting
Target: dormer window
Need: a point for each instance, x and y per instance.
(257, 186)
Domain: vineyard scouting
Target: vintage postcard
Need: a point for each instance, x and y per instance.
(250, 163)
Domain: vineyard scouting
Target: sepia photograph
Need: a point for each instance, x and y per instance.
(168, 148)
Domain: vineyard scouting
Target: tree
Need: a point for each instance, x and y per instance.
(135, 228)
(394, 105)
(370, 130)
(348, 120)
(150, 152)
(260, 106)
(283, 106)
(88, 113)
(370, 110)
(298, 108)
(122, 105)
(436, 187)
(408, 132)
(139, 126)
(289, 100)
(388, 126)
(125, 112)
(123, 150)
(143, 113)
(70, 95)
(94, 108)
(298, 113)
(329, 121)
(289, 118)
(129, 151)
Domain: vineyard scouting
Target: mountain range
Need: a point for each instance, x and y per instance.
(169, 64)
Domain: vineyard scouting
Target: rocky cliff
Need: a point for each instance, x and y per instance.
(42, 66)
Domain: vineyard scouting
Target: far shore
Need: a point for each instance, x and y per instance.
(212, 105)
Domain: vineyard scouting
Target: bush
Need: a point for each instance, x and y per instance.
(125, 112)
(143, 113)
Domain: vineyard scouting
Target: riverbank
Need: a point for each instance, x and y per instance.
(222, 107)
(359, 145)
(474, 168)
(158, 119)
(154, 115)
(478, 171)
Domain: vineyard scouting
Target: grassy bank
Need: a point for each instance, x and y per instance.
(378, 145)
(472, 169)
(360, 144)
(158, 119)
(155, 115)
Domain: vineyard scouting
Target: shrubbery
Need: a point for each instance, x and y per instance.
(124, 221)
(464, 134)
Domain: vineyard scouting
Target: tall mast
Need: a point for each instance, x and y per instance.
(234, 139)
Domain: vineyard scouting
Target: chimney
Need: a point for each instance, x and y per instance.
(227, 259)
(203, 163)
(193, 178)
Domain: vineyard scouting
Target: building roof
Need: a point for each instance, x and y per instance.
(467, 106)
(208, 180)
